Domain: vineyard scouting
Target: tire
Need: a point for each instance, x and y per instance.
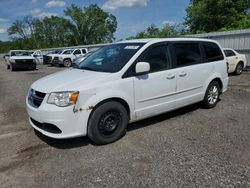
(34, 68)
(212, 95)
(107, 123)
(8, 67)
(12, 68)
(67, 63)
(239, 68)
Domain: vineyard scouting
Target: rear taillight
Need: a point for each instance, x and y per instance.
(227, 67)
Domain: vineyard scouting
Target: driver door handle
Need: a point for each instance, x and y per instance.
(183, 74)
(170, 77)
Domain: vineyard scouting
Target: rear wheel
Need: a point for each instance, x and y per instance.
(212, 95)
(108, 123)
(67, 63)
(239, 68)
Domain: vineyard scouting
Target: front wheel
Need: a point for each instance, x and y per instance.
(212, 95)
(67, 63)
(12, 68)
(8, 67)
(239, 68)
(108, 123)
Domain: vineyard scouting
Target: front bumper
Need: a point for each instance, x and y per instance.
(69, 123)
(23, 66)
(57, 62)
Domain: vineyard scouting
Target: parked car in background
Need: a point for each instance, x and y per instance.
(68, 57)
(47, 56)
(79, 60)
(20, 59)
(38, 56)
(126, 82)
(236, 62)
(51, 56)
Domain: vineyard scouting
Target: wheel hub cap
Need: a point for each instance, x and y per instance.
(213, 95)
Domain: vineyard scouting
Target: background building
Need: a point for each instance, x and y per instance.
(239, 40)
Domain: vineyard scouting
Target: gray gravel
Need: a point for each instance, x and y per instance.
(190, 147)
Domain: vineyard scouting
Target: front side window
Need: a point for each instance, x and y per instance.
(187, 53)
(158, 58)
(77, 52)
(212, 51)
(110, 58)
(229, 53)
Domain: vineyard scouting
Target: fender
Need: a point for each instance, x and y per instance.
(215, 75)
(93, 99)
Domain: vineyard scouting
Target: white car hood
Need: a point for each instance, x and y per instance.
(21, 57)
(68, 80)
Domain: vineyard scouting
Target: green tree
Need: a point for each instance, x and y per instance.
(91, 25)
(214, 15)
(168, 30)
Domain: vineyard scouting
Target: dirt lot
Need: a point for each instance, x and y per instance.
(190, 147)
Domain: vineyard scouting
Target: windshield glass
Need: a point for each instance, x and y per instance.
(68, 52)
(20, 53)
(110, 58)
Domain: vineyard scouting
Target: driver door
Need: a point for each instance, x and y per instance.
(155, 91)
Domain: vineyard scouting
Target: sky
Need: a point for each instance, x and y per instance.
(132, 16)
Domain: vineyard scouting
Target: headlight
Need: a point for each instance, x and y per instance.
(63, 99)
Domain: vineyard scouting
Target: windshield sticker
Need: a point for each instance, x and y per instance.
(131, 47)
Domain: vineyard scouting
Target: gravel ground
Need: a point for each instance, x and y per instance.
(190, 147)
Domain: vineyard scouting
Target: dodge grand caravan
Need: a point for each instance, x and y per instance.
(126, 82)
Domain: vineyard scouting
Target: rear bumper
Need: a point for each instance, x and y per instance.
(225, 84)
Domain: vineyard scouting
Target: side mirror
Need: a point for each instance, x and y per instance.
(142, 68)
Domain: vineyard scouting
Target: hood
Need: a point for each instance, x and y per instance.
(68, 80)
(21, 57)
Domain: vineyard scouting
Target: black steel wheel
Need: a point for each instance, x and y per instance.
(108, 123)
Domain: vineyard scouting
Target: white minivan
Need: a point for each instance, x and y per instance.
(126, 82)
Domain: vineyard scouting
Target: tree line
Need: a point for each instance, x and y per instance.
(92, 25)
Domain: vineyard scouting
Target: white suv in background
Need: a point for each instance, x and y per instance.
(126, 82)
(69, 56)
(236, 62)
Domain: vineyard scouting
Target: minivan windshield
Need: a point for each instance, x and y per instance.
(110, 58)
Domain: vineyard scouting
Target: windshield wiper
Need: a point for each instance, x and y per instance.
(88, 68)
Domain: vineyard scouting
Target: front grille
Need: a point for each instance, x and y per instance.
(24, 61)
(36, 98)
(46, 127)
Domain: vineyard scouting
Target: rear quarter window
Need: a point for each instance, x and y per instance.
(212, 51)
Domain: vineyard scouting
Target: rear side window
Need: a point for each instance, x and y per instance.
(229, 53)
(158, 58)
(187, 53)
(212, 51)
(84, 51)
